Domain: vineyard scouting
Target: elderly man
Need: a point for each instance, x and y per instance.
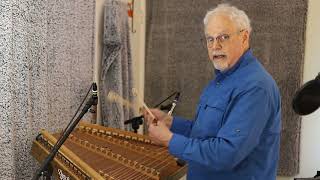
(236, 131)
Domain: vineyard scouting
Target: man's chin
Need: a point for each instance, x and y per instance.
(219, 66)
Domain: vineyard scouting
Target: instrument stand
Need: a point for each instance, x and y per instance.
(45, 168)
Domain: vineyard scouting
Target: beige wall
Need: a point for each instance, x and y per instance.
(98, 47)
(138, 46)
(310, 133)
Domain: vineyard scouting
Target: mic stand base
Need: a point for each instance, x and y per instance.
(47, 173)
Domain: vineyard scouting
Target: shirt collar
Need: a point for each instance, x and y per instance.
(243, 61)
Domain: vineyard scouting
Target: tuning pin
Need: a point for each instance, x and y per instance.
(115, 134)
(153, 171)
(94, 131)
(92, 146)
(156, 173)
(118, 156)
(106, 176)
(141, 167)
(102, 131)
(108, 153)
(101, 172)
(147, 169)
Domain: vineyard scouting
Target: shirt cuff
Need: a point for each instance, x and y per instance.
(180, 125)
(177, 145)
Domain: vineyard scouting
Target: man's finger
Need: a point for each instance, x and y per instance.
(153, 121)
(149, 120)
(161, 123)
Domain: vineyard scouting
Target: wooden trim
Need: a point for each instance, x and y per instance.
(40, 153)
(68, 154)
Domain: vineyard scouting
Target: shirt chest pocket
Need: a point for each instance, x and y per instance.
(211, 118)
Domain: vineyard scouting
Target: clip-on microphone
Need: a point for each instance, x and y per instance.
(137, 121)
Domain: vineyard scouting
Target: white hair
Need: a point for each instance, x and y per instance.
(238, 16)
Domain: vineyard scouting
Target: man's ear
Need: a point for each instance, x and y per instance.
(245, 37)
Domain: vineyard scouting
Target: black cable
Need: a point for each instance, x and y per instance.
(166, 99)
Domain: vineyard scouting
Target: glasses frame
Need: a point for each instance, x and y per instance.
(221, 38)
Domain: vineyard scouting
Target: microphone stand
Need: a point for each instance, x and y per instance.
(45, 169)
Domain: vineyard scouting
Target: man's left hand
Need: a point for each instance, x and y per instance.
(160, 133)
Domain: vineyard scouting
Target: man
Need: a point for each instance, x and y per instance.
(236, 131)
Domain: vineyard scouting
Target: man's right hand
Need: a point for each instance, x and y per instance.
(159, 115)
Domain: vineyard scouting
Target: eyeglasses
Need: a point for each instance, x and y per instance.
(222, 38)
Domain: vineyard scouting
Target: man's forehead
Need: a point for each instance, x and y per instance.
(220, 24)
(217, 32)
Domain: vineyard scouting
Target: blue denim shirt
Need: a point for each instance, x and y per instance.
(236, 131)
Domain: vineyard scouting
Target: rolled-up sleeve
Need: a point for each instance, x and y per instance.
(238, 136)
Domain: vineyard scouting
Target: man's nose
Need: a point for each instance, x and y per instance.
(216, 45)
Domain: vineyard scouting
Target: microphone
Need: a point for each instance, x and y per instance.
(94, 93)
(133, 119)
(138, 120)
(94, 97)
(94, 88)
(307, 98)
(174, 103)
(135, 122)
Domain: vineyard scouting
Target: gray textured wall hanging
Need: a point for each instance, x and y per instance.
(116, 68)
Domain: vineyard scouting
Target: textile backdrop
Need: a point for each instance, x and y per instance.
(116, 67)
(177, 60)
